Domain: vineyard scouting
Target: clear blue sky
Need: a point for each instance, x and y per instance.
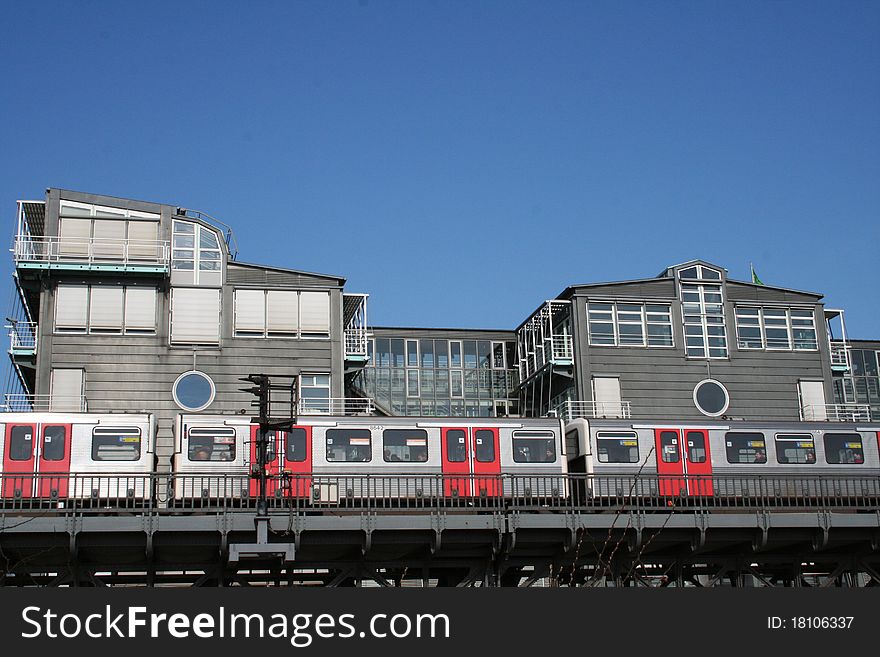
(464, 161)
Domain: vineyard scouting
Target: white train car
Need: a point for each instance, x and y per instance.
(58, 456)
(725, 458)
(331, 458)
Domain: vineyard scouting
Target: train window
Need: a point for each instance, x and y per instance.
(746, 447)
(116, 444)
(296, 451)
(669, 447)
(484, 449)
(844, 448)
(696, 446)
(349, 445)
(21, 443)
(405, 445)
(534, 447)
(456, 447)
(795, 448)
(213, 444)
(617, 446)
(54, 438)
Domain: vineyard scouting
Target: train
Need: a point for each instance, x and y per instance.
(323, 459)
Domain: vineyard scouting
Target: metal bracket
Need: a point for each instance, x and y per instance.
(759, 543)
(820, 541)
(262, 548)
(699, 540)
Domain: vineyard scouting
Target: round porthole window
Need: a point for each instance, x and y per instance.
(193, 391)
(711, 398)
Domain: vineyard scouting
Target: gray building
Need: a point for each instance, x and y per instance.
(134, 306)
(859, 385)
(689, 343)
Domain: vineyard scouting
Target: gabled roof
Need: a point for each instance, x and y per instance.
(666, 273)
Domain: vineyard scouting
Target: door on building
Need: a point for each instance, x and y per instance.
(36, 462)
(684, 463)
(471, 462)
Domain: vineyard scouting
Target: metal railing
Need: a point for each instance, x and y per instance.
(15, 403)
(836, 412)
(22, 337)
(335, 406)
(593, 409)
(562, 347)
(92, 251)
(355, 342)
(435, 493)
(839, 353)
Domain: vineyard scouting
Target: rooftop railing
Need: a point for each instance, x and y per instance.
(335, 406)
(593, 409)
(18, 403)
(90, 252)
(836, 412)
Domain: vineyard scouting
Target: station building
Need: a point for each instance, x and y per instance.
(131, 306)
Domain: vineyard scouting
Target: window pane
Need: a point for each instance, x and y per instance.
(206, 444)
(844, 448)
(116, 444)
(696, 445)
(349, 445)
(746, 447)
(54, 439)
(617, 447)
(456, 447)
(534, 447)
(669, 446)
(484, 447)
(795, 448)
(410, 445)
(295, 448)
(21, 443)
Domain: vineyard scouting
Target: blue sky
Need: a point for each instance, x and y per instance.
(463, 161)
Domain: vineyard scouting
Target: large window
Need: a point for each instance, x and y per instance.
(844, 448)
(211, 444)
(116, 444)
(703, 315)
(97, 309)
(630, 324)
(795, 448)
(778, 329)
(409, 445)
(745, 447)
(349, 445)
(617, 446)
(534, 447)
(194, 247)
(281, 314)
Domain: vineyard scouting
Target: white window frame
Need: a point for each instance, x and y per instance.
(616, 322)
(704, 324)
(267, 331)
(211, 343)
(790, 328)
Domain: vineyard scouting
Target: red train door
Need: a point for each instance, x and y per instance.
(298, 460)
(19, 462)
(698, 462)
(486, 462)
(456, 461)
(670, 467)
(683, 452)
(53, 461)
(273, 463)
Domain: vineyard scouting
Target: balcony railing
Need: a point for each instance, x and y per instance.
(836, 412)
(839, 355)
(16, 403)
(22, 338)
(91, 252)
(593, 409)
(335, 406)
(356, 343)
